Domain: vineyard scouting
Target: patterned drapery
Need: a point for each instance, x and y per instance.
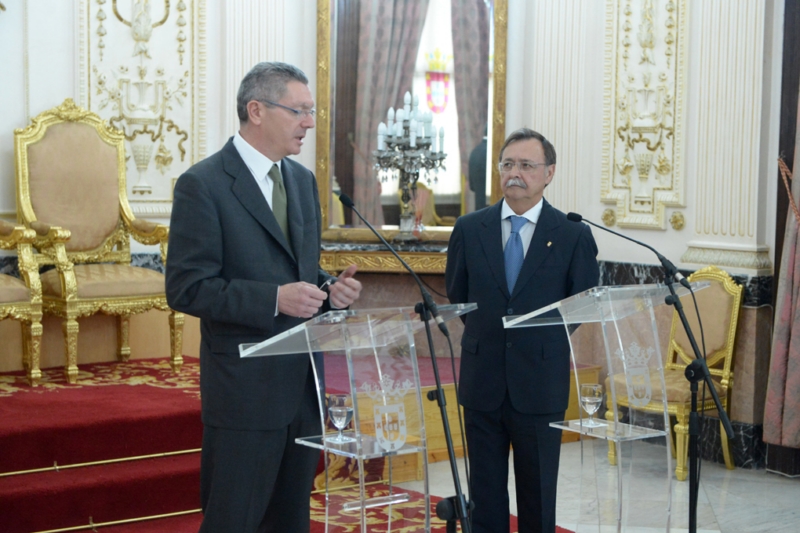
(781, 415)
(389, 38)
(470, 24)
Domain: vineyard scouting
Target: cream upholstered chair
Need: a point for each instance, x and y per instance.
(71, 175)
(719, 308)
(21, 299)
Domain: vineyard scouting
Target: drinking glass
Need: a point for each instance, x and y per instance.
(341, 413)
(591, 398)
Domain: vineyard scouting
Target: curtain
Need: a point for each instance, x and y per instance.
(781, 414)
(389, 35)
(470, 24)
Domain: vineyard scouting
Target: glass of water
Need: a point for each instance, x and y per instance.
(340, 411)
(591, 398)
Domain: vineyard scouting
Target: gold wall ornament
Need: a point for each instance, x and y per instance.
(677, 221)
(643, 113)
(609, 217)
(384, 262)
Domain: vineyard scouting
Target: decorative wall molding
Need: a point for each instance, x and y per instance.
(644, 86)
(737, 257)
(142, 67)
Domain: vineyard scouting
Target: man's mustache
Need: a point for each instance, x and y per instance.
(516, 182)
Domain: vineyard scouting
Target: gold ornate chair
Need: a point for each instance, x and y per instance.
(71, 174)
(21, 299)
(719, 306)
(426, 203)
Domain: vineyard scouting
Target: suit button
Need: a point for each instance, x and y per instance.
(509, 344)
(510, 311)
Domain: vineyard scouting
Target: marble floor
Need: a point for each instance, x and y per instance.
(729, 501)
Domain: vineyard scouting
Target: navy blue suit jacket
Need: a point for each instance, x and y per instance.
(227, 257)
(531, 363)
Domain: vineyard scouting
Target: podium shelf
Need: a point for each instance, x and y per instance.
(370, 446)
(609, 431)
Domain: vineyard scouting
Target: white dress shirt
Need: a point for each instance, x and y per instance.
(526, 233)
(259, 165)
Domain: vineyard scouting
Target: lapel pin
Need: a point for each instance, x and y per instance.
(549, 243)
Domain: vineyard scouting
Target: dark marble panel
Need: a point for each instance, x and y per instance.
(370, 247)
(747, 448)
(757, 289)
(8, 265)
(151, 261)
(783, 460)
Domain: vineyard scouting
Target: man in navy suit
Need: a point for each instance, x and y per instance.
(512, 258)
(244, 251)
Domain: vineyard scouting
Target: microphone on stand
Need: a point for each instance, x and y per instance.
(456, 507)
(670, 268)
(426, 296)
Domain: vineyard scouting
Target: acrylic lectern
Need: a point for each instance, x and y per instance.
(371, 357)
(622, 453)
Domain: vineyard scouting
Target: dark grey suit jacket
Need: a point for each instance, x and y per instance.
(531, 363)
(227, 257)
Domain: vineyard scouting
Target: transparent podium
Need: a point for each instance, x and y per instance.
(624, 458)
(375, 404)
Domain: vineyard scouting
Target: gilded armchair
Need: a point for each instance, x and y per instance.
(70, 168)
(21, 299)
(719, 307)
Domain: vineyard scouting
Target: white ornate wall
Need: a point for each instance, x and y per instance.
(167, 66)
(566, 75)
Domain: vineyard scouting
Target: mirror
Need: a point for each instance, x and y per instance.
(325, 134)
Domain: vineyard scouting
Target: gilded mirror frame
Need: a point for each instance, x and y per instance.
(323, 126)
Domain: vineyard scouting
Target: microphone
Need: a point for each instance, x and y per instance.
(426, 296)
(669, 268)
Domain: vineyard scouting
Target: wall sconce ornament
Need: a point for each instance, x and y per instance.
(677, 221)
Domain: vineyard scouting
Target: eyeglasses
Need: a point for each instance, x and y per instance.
(298, 113)
(526, 167)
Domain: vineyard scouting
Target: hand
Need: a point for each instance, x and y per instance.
(346, 290)
(300, 299)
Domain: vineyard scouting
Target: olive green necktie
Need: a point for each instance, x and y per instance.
(279, 199)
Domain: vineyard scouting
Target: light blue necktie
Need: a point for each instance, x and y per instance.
(514, 255)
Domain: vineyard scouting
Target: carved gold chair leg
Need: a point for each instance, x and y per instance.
(33, 346)
(672, 438)
(176, 321)
(70, 329)
(123, 337)
(726, 447)
(612, 447)
(682, 445)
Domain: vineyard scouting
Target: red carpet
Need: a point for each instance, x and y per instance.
(119, 410)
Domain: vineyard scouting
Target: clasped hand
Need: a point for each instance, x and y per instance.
(303, 300)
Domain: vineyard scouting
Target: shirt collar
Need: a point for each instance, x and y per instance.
(258, 163)
(531, 214)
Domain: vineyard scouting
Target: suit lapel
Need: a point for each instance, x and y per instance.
(540, 247)
(491, 238)
(250, 196)
(293, 208)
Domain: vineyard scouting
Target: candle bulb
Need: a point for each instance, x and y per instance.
(381, 136)
(413, 141)
(433, 144)
(407, 102)
(441, 139)
(390, 121)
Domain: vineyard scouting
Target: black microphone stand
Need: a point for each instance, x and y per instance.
(696, 371)
(455, 508)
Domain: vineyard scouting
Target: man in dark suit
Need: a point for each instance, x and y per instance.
(512, 258)
(244, 254)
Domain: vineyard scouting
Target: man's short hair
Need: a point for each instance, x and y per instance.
(523, 134)
(266, 81)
